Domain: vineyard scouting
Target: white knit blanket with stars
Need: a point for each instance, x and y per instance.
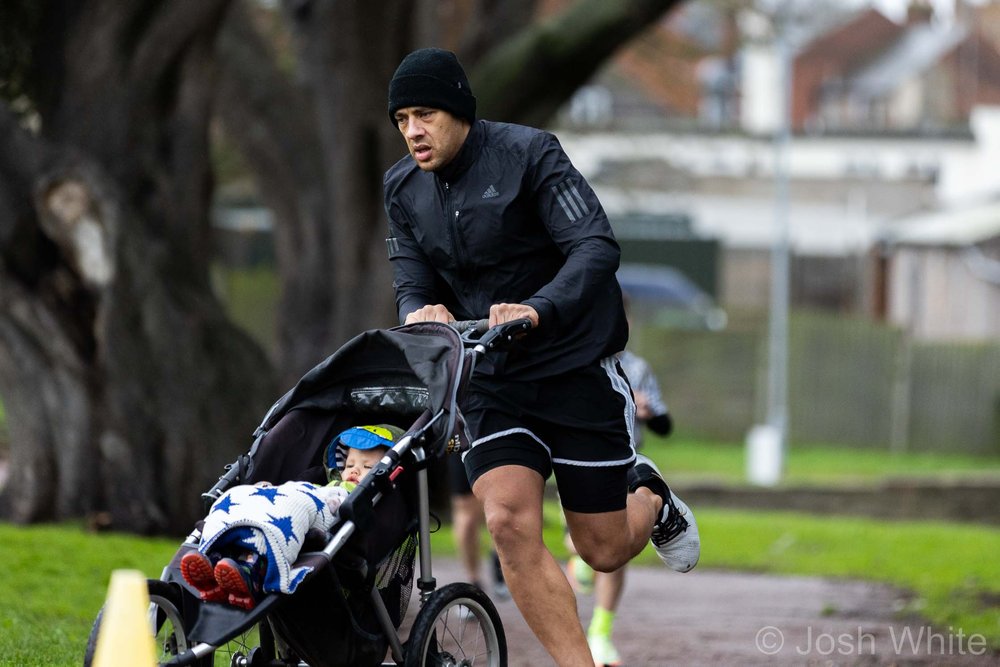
(272, 521)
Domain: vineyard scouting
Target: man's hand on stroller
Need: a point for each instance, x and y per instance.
(507, 322)
(430, 313)
(499, 313)
(507, 312)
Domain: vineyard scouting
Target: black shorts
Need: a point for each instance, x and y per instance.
(458, 478)
(577, 426)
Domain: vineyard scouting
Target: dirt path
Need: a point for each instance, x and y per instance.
(722, 618)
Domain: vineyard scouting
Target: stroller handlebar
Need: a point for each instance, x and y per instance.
(489, 338)
(474, 326)
(503, 335)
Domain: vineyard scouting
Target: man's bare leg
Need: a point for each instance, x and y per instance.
(608, 541)
(467, 518)
(608, 587)
(512, 501)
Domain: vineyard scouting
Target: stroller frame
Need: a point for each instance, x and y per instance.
(438, 429)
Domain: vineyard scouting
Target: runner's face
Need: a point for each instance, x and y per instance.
(359, 463)
(433, 136)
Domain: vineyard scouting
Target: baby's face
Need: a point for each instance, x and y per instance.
(359, 462)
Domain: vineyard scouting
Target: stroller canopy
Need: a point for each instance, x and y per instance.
(400, 371)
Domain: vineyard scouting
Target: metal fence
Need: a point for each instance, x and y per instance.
(851, 382)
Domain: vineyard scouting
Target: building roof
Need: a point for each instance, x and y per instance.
(916, 51)
(853, 41)
(960, 226)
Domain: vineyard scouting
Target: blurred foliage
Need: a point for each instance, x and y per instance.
(229, 167)
(277, 33)
(250, 297)
(19, 20)
(4, 443)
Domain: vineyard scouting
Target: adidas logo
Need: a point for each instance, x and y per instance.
(490, 193)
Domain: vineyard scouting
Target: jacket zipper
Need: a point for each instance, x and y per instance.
(457, 244)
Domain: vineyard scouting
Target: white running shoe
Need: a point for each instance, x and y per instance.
(603, 651)
(675, 534)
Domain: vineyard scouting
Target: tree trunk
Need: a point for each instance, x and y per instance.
(318, 145)
(275, 128)
(125, 388)
(351, 50)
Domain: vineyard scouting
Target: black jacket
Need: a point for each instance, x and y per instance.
(509, 220)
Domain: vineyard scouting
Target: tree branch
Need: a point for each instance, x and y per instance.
(170, 33)
(527, 78)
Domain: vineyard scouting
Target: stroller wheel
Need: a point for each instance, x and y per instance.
(457, 627)
(169, 627)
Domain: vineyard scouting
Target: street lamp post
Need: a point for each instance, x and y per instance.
(767, 443)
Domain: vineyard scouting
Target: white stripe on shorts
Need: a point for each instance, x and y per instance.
(595, 464)
(620, 384)
(502, 434)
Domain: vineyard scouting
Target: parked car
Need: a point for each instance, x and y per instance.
(664, 296)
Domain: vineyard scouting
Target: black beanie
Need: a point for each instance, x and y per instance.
(431, 78)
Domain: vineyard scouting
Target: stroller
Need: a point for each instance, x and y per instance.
(349, 609)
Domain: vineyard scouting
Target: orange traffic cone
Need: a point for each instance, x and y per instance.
(124, 639)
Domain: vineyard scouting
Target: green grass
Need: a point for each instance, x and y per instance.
(692, 460)
(55, 581)
(57, 576)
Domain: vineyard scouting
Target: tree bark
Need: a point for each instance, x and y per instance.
(126, 390)
(525, 79)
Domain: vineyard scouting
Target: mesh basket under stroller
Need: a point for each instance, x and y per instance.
(347, 611)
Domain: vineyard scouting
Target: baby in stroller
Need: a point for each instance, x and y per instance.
(253, 533)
